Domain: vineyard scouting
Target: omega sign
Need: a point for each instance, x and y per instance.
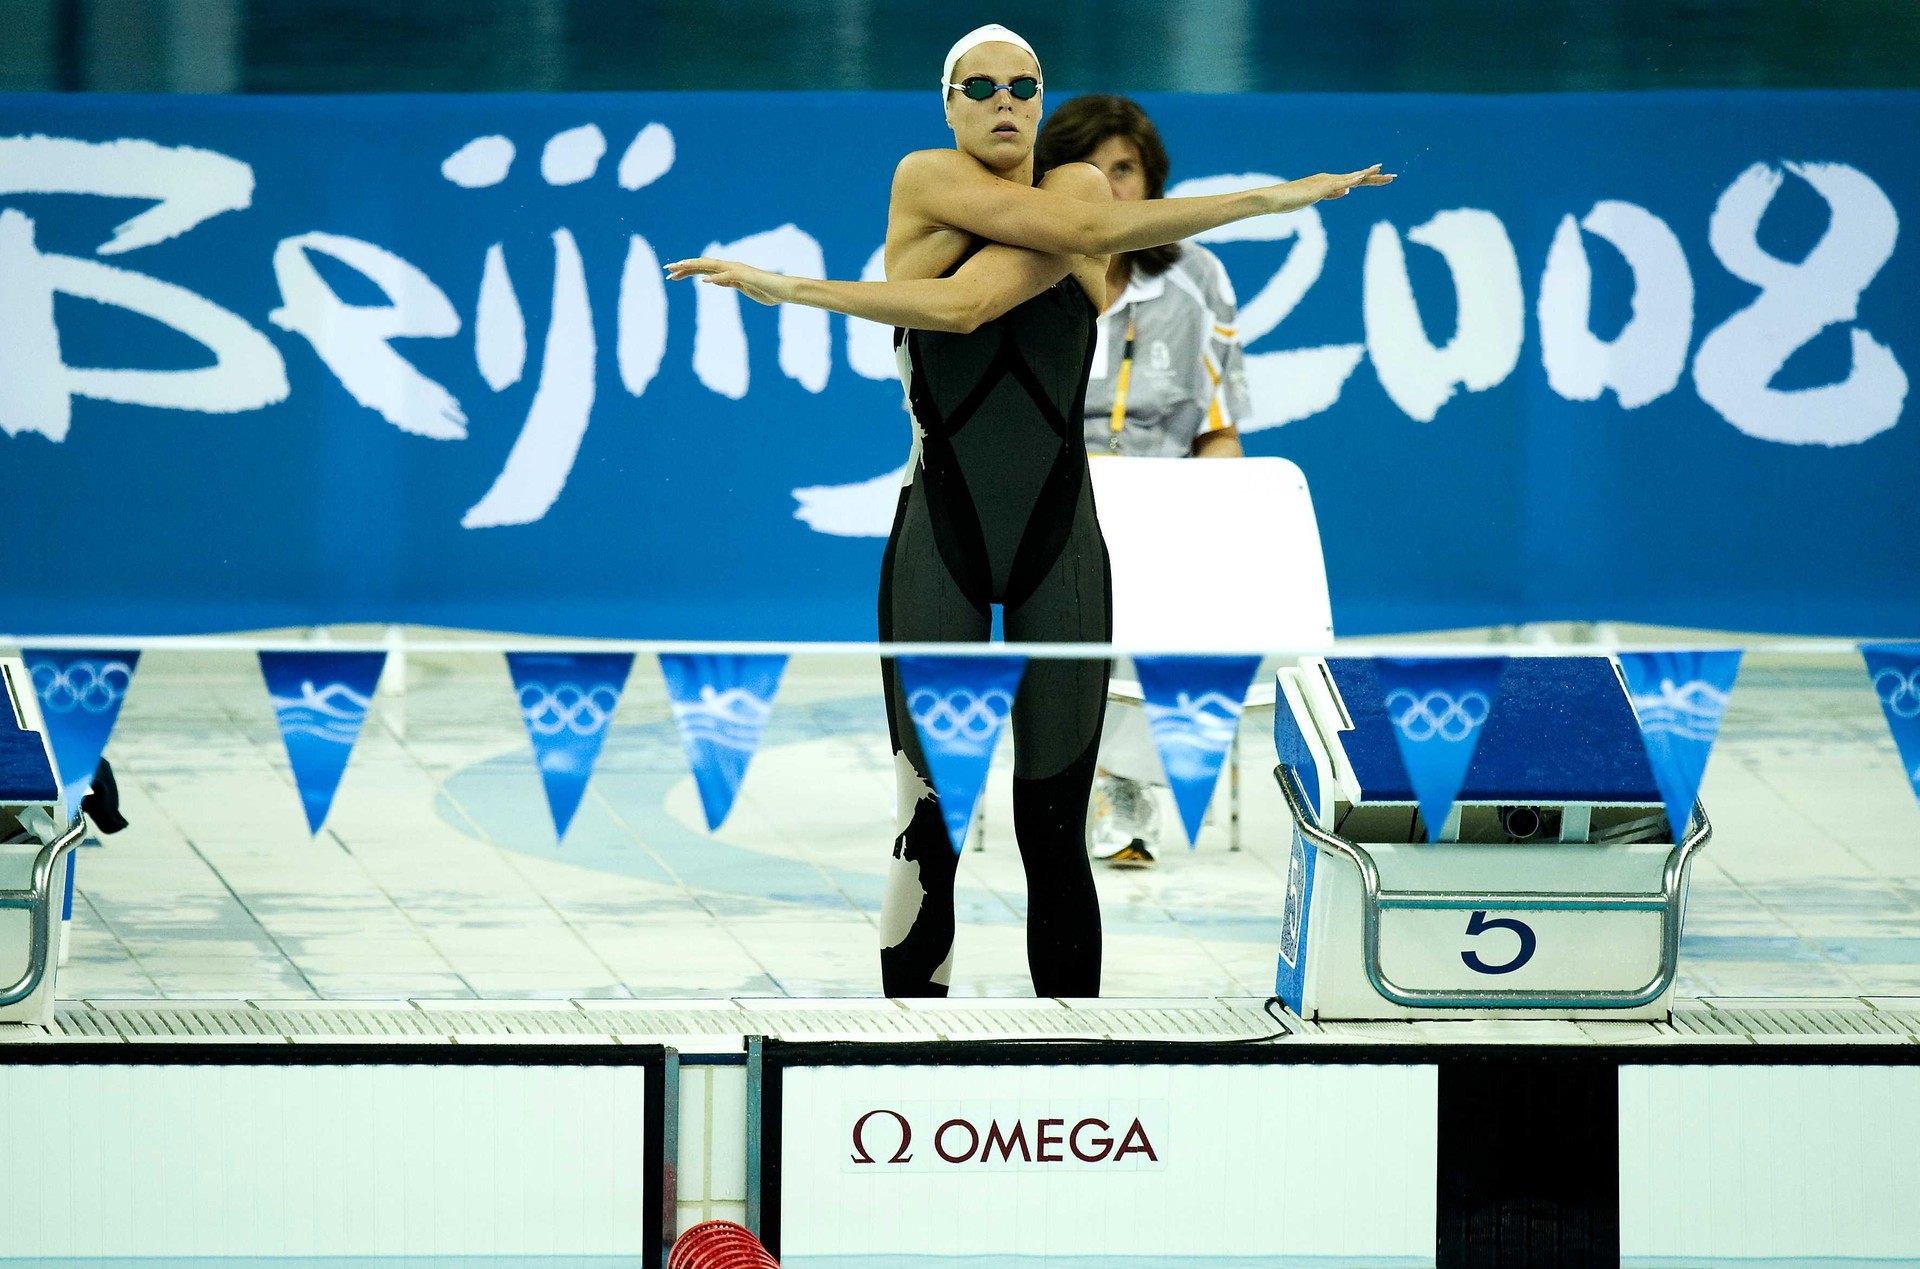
(950, 1136)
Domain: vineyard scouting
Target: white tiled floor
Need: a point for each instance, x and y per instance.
(438, 874)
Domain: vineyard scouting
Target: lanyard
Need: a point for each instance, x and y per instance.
(1117, 421)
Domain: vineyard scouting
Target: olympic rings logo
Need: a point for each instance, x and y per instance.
(93, 687)
(1296, 902)
(1900, 693)
(961, 716)
(567, 707)
(1421, 718)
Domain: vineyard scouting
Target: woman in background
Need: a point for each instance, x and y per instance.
(1166, 383)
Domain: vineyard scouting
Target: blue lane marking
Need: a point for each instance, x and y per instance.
(501, 800)
(1746, 947)
(1776, 949)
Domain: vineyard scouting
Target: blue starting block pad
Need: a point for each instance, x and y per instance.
(35, 838)
(26, 772)
(1562, 731)
(1555, 887)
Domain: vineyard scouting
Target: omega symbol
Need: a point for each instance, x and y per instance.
(900, 1155)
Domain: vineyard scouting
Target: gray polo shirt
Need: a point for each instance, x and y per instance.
(1187, 378)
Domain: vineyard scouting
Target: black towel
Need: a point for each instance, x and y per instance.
(102, 803)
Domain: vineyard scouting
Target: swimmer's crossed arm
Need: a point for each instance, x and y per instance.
(991, 282)
(994, 281)
(949, 188)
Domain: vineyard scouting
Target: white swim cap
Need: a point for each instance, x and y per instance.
(992, 33)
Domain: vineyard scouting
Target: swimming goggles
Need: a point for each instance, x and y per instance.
(982, 87)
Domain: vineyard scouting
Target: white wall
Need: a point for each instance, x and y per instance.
(323, 1160)
(1769, 1161)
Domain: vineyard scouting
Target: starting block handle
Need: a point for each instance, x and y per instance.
(1667, 901)
(1523, 901)
(39, 900)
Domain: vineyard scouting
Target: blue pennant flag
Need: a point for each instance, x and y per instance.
(1679, 698)
(80, 694)
(567, 700)
(1439, 707)
(959, 705)
(721, 705)
(1193, 707)
(320, 699)
(1895, 668)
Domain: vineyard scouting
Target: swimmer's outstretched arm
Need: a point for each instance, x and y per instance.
(992, 281)
(946, 188)
(995, 280)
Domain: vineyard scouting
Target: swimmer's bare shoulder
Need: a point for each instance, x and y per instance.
(1079, 180)
(919, 167)
(919, 245)
(946, 189)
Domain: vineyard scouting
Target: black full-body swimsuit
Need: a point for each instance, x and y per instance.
(998, 508)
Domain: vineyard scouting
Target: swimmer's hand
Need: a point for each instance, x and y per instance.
(1309, 190)
(756, 284)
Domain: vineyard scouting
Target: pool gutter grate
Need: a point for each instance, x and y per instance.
(690, 1025)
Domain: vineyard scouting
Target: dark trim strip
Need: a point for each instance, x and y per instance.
(770, 1072)
(164, 1052)
(781, 1053)
(1528, 1165)
(660, 1157)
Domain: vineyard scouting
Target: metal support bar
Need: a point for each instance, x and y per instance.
(756, 1132)
(39, 900)
(1668, 901)
(1233, 794)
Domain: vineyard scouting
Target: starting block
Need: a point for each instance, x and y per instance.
(1556, 887)
(35, 838)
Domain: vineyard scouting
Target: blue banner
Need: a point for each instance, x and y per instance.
(959, 705)
(320, 700)
(1895, 670)
(1193, 706)
(1679, 698)
(80, 696)
(567, 700)
(721, 705)
(1438, 707)
(421, 349)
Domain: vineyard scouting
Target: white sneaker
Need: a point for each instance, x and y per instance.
(1126, 822)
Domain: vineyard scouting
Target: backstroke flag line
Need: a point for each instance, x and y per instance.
(959, 705)
(1680, 699)
(721, 705)
(320, 700)
(1193, 706)
(567, 700)
(1438, 707)
(1895, 670)
(80, 694)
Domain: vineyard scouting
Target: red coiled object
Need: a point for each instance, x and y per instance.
(719, 1245)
